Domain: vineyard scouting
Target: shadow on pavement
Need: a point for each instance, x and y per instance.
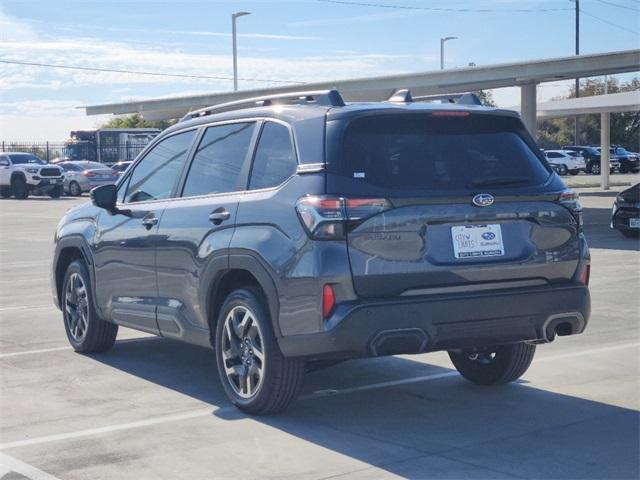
(446, 428)
(600, 235)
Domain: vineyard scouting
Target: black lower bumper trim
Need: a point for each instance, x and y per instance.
(443, 322)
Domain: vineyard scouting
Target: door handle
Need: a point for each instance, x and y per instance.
(219, 216)
(149, 221)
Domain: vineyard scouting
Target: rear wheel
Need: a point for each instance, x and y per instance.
(562, 170)
(5, 192)
(494, 365)
(87, 333)
(595, 168)
(254, 374)
(55, 192)
(19, 188)
(74, 189)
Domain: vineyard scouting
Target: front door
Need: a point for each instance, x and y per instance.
(125, 243)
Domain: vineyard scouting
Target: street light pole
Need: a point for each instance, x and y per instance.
(235, 49)
(442, 40)
(577, 122)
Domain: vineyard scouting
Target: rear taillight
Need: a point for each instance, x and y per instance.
(328, 300)
(87, 173)
(330, 217)
(571, 200)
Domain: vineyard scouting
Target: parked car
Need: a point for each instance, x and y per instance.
(566, 161)
(592, 159)
(286, 229)
(629, 162)
(81, 176)
(22, 174)
(626, 212)
(120, 167)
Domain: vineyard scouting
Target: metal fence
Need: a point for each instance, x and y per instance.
(53, 151)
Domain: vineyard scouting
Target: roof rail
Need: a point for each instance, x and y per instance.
(468, 98)
(402, 95)
(330, 98)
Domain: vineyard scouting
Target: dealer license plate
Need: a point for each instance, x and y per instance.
(471, 241)
(634, 222)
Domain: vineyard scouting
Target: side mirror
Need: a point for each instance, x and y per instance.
(105, 196)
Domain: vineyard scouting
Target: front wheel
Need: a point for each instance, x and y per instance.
(74, 189)
(623, 168)
(595, 169)
(19, 188)
(493, 365)
(562, 170)
(574, 172)
(254, 374)
(55, 192)
(87, 333)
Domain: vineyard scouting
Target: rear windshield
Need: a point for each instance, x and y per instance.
(405, 154)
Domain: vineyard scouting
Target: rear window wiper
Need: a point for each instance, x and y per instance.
(492, 181)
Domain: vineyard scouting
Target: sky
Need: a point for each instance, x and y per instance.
(281, 42)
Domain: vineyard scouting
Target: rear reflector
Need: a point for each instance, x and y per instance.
(328, 300)
(585, 273)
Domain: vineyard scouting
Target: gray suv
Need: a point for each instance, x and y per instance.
(296, 229)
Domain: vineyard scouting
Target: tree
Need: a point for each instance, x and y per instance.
(625, 127)
(486, 97)
(136, 121)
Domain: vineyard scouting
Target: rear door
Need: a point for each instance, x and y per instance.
(195, 229)
(445, 203)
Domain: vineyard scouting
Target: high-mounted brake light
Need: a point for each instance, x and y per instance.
(447, 113)
(571, 200)
(330, 217)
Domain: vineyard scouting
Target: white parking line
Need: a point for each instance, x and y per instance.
(9, 464)
(59, 349)
(208, 411)
(15, 308)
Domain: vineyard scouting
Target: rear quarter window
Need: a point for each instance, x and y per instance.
(409, 154)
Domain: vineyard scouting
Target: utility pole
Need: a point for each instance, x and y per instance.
(577, 121)
(235, 50)
(442, 40)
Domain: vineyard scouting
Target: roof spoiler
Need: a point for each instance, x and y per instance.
(404, 96)
(330, 98)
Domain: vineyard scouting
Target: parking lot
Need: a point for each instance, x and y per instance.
(153, 408)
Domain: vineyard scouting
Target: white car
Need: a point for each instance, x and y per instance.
(24, 173)
(566, 161)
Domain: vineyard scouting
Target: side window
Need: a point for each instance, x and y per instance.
(4, 161)
(274, 161)
(156, 174)
(553, 155)
(218, 161)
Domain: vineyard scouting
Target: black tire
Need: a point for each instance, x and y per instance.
(279, 378)
(74, 189)
(96, 335)
(562, 170)
(595, 169)
(56, 192)
(494, 365)
(5, 192)
(631, 233)
(574, 172)
(624, 168)
(19, 188)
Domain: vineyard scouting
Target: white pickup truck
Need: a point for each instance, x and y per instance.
(22, 174)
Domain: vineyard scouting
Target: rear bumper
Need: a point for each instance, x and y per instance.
(442, 322)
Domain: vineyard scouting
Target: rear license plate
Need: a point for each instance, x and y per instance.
(634, 222)
(471, 241)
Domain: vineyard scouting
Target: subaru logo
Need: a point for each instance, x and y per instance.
(488, 235)
(482, 200)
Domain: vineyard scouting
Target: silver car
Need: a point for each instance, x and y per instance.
(83, 176)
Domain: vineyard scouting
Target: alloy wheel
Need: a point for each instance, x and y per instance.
(76, 307)
(243, 352)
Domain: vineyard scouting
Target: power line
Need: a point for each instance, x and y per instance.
(443, 9)
(608, 22)
(138, 72)
(606, 2)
